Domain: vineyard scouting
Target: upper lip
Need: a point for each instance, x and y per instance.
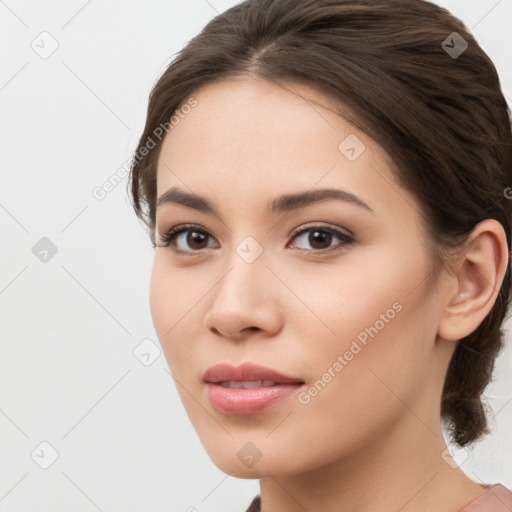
(246, 372)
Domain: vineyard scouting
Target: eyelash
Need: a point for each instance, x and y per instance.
(174, 232)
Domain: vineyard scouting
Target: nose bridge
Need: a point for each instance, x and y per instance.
(247, 274)
(244, 296)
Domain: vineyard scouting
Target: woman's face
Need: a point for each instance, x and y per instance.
(347, 314)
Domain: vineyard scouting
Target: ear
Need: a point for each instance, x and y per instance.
(479, 276)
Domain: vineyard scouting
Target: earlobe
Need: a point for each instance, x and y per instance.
(481, 270)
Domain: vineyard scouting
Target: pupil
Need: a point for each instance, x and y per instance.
(193, 238)
(322, 236)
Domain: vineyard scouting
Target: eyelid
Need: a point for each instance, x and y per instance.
(321, 225)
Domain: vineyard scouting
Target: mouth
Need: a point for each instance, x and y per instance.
(247, 389)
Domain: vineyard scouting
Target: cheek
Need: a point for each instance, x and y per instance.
(172, 293)
(167, 306)
(360, 395)
(161, 301)
(372, 333)
(177, 312)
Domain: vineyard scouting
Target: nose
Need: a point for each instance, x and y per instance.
(245, 301)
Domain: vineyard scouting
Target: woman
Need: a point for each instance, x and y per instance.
(325, 186)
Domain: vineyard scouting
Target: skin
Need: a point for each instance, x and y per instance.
(371, 439)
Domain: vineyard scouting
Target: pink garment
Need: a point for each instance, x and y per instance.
(496, 498)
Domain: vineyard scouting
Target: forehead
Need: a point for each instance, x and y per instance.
(253, 136)
(257, 110)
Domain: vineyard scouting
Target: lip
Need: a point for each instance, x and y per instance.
(246, 371)
(240, 401)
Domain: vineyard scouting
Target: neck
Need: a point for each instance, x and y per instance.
(405, 471)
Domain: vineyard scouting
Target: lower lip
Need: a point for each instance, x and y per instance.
(237, 402)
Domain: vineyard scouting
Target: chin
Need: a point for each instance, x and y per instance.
(243, 460)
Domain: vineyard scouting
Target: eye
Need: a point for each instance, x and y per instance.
(195, 238)
(321, 237)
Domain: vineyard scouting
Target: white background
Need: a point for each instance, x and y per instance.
(69, 326)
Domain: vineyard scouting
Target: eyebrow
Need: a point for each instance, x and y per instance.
(284, 203)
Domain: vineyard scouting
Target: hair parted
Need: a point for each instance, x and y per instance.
(443, 121)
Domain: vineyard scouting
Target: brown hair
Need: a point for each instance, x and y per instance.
(440, 116)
